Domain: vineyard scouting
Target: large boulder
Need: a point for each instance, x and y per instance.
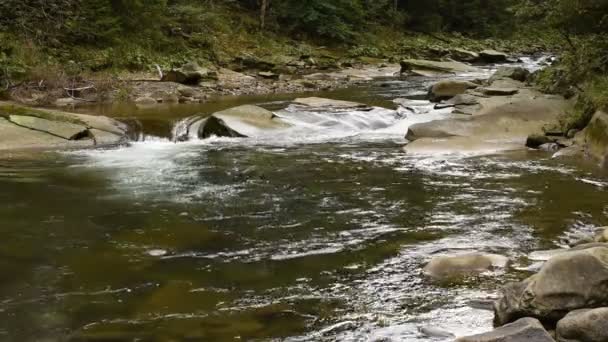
(522, 330)
(444, 90)
(515, 73)
(415, 65)
(596, 138)
(585, 325)
(566, 282)
(446, 268)
(492, 56)
(189, 73)
(241, 121)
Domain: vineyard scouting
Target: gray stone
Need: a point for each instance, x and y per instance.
(189, 73)
(447, 89)
(585, 325)
(516, 73)
(522, 330)
(492, 56)
(463, 55)
(242, 121)
(60, 129)
(416, 65)
(568, 281)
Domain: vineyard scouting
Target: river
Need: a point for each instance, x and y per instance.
(315, 235)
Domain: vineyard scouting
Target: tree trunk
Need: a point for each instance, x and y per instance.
(263, 8)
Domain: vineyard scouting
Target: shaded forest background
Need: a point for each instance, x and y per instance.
(47, 38)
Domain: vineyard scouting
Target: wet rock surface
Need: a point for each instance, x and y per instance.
(522, 330)
(568, 281)
(28, 128)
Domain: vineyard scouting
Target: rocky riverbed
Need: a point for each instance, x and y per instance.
(303, 218)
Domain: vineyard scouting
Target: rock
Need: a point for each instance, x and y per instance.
(585, 325)
(537, 140)
(572, 133)
(568, 152)
(463, 55)
(596, 138)
(268, 75)
(516, 73)
(43, 128)
(242, 121)
(522, 330)
(252, 62)
(492, 56)
(496, 124)
(103, 138)
(186, 91)
(189, 73)
(145, 101)
(566, 282)
(453, 267)
(13, 137)
(463, 100)
(447, 89)
(319, 102)
(492, 91)
(67, 102)
(602, 236)
(549, 147)
(416, 65)
(435, 332)
(60, 129)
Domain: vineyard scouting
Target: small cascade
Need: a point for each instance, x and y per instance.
(186, 129)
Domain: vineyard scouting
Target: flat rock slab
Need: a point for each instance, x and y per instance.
(13, 137)
(319, 102)
(65, 130)
(436, 66)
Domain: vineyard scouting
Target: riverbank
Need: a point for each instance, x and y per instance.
(275, 65)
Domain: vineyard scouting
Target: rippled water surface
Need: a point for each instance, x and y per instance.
(315, 235)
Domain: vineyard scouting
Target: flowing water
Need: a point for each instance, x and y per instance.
(315, 234)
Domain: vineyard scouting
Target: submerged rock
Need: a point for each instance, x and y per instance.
(585, 325)
(447, 89)
(453, 267)
(566, 282)
(522, 330)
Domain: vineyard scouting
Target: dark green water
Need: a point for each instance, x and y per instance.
(230, 240)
